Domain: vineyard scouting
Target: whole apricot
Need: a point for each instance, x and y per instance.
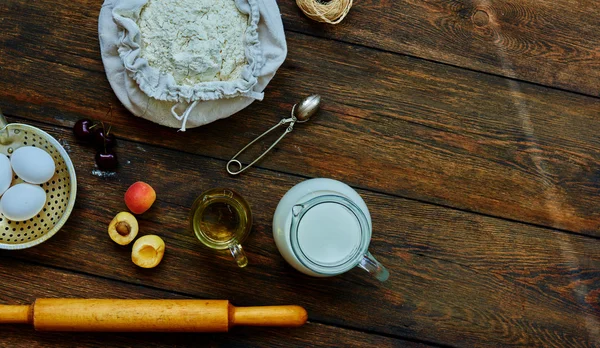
(139, 197)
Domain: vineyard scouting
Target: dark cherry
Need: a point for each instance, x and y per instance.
(106, 160)
(102, 140)
(83, 129)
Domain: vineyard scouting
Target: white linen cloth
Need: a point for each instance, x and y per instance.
(155, 96)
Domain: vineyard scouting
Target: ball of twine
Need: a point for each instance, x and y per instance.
(332, 11)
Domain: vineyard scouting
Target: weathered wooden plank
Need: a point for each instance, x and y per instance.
(23, 283)
(553, 43)
(397, 125)
(457, 278)
(472, 131)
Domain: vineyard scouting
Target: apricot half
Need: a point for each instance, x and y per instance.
(148, 251)
(123, 228)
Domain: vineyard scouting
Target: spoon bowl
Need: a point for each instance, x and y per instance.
(307, 108)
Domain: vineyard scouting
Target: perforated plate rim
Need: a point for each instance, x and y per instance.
(73, 178)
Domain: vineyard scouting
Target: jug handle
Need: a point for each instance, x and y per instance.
(369, 264)
(238, 255)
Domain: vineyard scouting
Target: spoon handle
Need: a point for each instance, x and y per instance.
(292, 120)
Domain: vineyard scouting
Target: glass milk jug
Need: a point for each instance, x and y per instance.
(322, 227)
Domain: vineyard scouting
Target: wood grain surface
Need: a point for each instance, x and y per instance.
(553, 43)
(512, 149)
(456, 275)
(470, 128)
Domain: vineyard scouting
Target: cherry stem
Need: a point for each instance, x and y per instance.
(109, 112)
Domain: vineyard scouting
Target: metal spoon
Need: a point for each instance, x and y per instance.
(301, 113)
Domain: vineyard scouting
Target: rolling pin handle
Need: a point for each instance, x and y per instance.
(15, 314)
(283, 316)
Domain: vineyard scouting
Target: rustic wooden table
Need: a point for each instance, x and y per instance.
(470, 128)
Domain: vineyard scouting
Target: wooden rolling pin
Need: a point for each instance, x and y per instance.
(147, 315)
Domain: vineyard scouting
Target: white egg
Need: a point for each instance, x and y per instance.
(22, 202)
(6, 173)
(32, 164)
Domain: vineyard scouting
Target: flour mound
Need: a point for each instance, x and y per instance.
(194, 40)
